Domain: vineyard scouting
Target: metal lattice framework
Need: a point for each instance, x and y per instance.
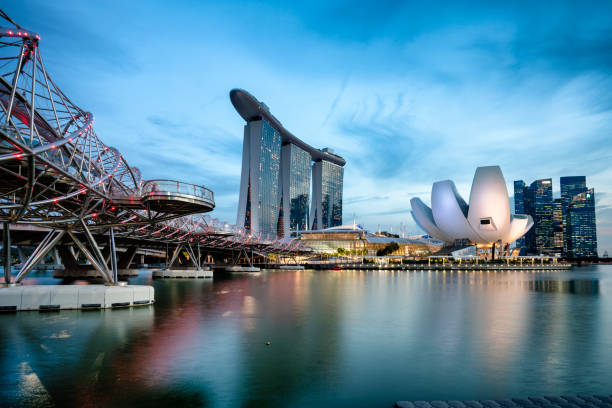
(56, 172)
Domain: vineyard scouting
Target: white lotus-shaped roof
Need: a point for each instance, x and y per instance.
(485, 220)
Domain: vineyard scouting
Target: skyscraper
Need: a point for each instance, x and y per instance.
(557, 242)
(519, 207)
(259, 200)
(295, 174)
(581, 227)
(326, 210)
(537, 202)
(570, 187)
(276, 173)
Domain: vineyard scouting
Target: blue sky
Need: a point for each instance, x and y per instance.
(408, 92)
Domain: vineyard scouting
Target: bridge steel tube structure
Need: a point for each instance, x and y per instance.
(56, 173)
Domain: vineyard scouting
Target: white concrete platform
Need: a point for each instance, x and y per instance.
(240, 268)
(90, 273)
(291, 267)
(58, 297)
(189, 273)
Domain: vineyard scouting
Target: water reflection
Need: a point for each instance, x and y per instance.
(342, 338)
(576, 286)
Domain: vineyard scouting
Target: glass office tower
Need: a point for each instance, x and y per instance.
(557, 242)
(295, 174)
(537, 199)
(581, 228)
(326, 209)
(570, 187)
(519, 208)
(259, 202)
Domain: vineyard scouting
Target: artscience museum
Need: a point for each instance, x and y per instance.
(485, 221)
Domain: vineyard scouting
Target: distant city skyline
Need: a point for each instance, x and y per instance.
(563, 225)
(412, 94)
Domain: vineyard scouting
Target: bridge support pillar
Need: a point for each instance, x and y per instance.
(52, 238)
(205, 272)
(126, 258)
(196, 272)
(106, 252)
(113, 250)
(6, 250)
(175, 256)
(95, 257)
(56, 258)
(67, 257)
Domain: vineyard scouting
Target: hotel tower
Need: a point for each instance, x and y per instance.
(279, 171)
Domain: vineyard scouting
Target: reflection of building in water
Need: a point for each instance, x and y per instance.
(355, 239)
(576, 286)
(303, 324)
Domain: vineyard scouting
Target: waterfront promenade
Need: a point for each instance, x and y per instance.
(441, 267)
(440, 263)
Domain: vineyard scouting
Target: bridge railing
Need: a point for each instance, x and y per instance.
(169, 187)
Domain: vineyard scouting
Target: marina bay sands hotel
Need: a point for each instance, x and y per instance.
(277, 172)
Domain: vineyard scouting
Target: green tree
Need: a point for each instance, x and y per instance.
(388, 249)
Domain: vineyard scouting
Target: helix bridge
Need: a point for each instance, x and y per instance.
(57, 174)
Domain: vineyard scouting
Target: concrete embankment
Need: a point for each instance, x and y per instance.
(58, 297)
(581, 401)
(183, 273)
(89, 273)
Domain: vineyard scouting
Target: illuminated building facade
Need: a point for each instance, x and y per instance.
(354, 240)
(557, 214)
(565, 225)
(259, 201)
(581, 227)
(295, 175)
(519, 208)
(537, 201)
(570, 187)
(326, 210)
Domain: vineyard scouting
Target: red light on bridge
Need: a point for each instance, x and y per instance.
(54, 200)
(19, 33)
(10, 32)
(94, 215)
(25, 34)
(113, 208)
